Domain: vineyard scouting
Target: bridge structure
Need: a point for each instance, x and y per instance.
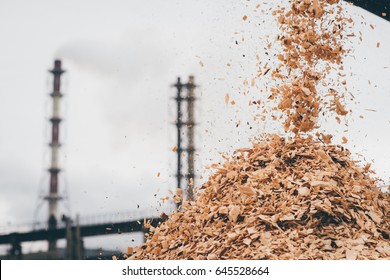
(74, 231)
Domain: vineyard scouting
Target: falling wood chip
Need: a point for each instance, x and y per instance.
(227, 98)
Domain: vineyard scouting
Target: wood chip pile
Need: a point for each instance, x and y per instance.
(297, 199)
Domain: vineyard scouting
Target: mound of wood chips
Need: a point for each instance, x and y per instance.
(280, 199)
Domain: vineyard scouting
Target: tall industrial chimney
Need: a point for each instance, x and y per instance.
(179, 124)
(191, 136)
(54, 169)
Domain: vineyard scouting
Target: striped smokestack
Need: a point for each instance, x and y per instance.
(54, 169)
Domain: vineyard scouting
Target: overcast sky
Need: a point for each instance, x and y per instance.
(121, 58)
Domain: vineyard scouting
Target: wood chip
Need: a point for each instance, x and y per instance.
(247, 190)
(351, 255)
(227, 98)
(233, 213)
(304, 191)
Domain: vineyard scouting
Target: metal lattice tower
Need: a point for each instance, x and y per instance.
(191, 137)
(188, 135)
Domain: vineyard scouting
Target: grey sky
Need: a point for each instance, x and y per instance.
(121, 57)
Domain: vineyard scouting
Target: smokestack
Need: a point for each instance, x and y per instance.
(179, 124)
(191, 135)
(54, 169)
